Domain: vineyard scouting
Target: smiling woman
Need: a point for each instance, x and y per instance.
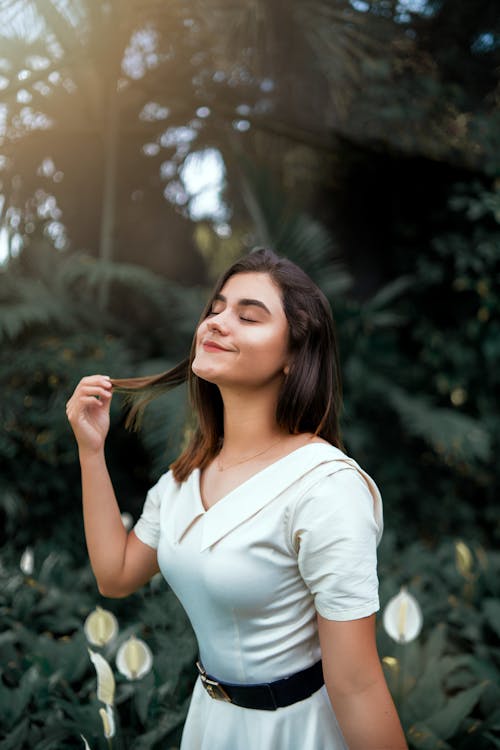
(264, 527)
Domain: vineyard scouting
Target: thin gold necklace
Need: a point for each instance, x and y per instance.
(249, 458)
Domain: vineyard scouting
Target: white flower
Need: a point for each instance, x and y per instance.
(105, 679)
(403, 617)
(127, 520)
(27, 562)
(87, 746)
(134, 658)
(100, 627)
(108, 721)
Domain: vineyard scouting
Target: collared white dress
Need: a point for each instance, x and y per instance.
(297, 538)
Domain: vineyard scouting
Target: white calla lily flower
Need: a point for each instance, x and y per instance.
(403, 617)
(105, 678)
(134, 658)
(27, 562)
(108, 721)
(87, 746)
(100, 627)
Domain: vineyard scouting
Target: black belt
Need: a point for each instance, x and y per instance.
(266, 696)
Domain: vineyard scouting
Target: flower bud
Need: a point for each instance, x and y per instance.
(108, 721)
(134, 658)
(463, 560)
(100, 627)
(403, 617)
(27, 562)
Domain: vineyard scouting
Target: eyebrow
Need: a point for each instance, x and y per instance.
(245, 302)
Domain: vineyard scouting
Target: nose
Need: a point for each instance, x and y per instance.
(218, 323)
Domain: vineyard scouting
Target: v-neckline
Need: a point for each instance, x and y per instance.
(257, 474)
(256, 492)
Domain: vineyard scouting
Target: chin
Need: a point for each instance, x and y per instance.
(205, 373)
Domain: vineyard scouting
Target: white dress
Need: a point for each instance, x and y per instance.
(297, 538)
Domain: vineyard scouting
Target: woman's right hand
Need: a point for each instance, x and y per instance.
(88, 412)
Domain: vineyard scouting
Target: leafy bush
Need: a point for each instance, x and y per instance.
(53, 333)
(47, 682)
(420, 362)
(446, 684)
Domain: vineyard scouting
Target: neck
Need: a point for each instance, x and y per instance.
(249, 422)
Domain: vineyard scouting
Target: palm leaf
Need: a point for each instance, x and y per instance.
(455, 436)
(294, 234)
(58, 291)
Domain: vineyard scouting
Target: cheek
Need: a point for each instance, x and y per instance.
(271, 350)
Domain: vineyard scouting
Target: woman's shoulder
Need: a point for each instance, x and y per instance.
(165, 484)
(303, 439)
(318, 450)
(335, 481)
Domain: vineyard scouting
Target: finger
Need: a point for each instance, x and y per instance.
(91, 401)
(102, 380)
(94, 390)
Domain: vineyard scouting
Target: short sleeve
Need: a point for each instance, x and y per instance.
(147, 528)
(335, 532)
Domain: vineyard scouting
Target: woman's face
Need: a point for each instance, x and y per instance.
(243, 341)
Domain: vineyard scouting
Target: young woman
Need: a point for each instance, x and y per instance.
(264, 527)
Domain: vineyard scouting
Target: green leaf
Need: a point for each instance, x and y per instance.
(426, 696)
(143, 693)
(435, 643)
(16, 738)
(453, 434)
(495, 741)
(388, 293)
(422, 737)
(170, 720)
(445, 723)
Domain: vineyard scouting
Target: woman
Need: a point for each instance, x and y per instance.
(264, 527)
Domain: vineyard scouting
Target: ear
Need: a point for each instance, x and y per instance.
(286, 369)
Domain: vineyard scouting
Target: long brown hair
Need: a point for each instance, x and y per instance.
(310, 399)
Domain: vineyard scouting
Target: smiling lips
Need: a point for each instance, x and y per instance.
(212, 346)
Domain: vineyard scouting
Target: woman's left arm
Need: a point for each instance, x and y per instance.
(356, 685)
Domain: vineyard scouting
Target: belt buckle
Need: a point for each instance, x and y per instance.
(213, 688)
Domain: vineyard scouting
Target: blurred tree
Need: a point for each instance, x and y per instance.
(136, 90)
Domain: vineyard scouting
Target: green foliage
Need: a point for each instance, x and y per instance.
(53, 333)
(47, 682)
(446, 684)
(39, 475)
(420, 358)
(291, 232)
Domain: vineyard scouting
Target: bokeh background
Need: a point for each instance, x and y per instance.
(143, 147)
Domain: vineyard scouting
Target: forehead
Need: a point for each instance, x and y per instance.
(252, 285)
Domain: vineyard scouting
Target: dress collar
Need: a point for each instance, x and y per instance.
(259, 490)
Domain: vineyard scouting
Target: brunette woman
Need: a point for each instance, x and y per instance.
(264, 527)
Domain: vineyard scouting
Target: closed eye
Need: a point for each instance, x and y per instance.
(248, 320)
